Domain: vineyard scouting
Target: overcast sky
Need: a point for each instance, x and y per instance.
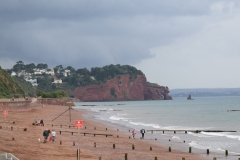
(179, 44)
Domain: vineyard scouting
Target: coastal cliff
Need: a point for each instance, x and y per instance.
(120, 89)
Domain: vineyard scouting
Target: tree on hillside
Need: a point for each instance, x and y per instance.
(29, 67)
(71, 69)
(42, 66)
(18, 66)
(20, 62)
(83, 71)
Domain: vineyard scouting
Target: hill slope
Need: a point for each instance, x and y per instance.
(8, 86)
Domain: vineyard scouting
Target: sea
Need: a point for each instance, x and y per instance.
(202, 113)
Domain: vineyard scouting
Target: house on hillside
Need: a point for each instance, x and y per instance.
(50, 71)
(21, 73)
(59, 81)
(66, 72)
(13, 74)
(32, 81)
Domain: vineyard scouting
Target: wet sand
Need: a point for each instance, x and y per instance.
(25, 145)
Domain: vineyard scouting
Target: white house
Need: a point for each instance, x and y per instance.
(57, 81)
(21, 73)
(92, 77)
(32, 81)
(50, 71)
(66, 72)
(13, 74)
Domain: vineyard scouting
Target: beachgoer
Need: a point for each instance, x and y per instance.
(41, 123)
(35, 120)
(50, 138)
(133, 133)
(38, 122)
(53, 136)
(143, 131)
(45, 135)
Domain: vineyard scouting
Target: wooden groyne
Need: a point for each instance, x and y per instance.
(185, 131)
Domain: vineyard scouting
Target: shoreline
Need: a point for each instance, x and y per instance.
(26, 146)
(163, 140)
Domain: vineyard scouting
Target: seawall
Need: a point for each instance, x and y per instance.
(55, 101)
(17, 105)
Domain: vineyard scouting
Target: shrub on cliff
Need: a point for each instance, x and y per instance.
(57, 94)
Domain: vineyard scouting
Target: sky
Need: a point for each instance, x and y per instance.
(179, 44)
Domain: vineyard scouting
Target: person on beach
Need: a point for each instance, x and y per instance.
(35, 120)
(143, 131)
(41, 123)
(45, 135)
(133, 133)
(53, 136)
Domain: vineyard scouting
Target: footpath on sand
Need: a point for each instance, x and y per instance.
(94, 143)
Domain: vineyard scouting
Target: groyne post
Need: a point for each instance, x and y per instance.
(126, 157)
(133, 147)
(190, 149)
(214, 158)
(207, 151)
(155, 158)
(183, 158)
(113, 146)
(226, 152)
(150, 148)
(95, 144)
(169, 149)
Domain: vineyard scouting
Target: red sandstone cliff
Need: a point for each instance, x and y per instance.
(119, 89)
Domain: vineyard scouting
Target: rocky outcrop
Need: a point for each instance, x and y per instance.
(120, 89)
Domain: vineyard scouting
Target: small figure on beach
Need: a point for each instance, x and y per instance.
(41, 123)
(45, 135)
(133, 133)
(53, 136)
(35, 120)
(142, 131)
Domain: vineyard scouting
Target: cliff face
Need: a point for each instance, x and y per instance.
(119, 89)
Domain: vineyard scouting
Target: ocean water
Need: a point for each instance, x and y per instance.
(202, 113)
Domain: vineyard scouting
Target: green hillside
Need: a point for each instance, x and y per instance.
(26, 86)
(8, 86)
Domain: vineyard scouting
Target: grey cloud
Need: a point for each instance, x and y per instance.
(87, 34)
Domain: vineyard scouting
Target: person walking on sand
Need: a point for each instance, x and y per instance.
(143, 131)
(53, 136)
(133, 133)
(45, 135)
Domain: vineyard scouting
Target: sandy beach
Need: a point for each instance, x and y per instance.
(25, 145)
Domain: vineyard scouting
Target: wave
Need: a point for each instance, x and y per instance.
(176, 137)
(183, 128)
(144, 124)
(199, 135)
(222, 135)
(197, 145)
(116, 118)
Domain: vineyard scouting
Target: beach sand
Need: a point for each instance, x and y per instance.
(25, 145)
